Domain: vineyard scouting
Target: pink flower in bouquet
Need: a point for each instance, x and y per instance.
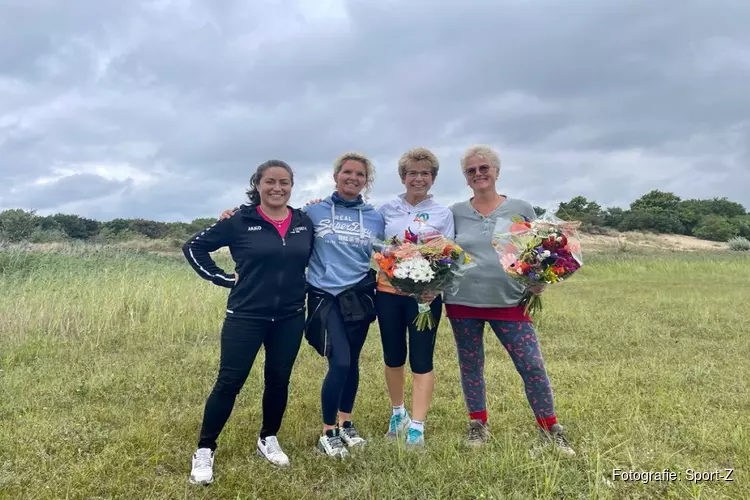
(545, 250)
(508, 260)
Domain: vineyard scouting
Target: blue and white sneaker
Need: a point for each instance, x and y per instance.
(398, 425)
(414, 438)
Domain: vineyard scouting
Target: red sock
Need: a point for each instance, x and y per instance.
(479, 415)
(546, 423)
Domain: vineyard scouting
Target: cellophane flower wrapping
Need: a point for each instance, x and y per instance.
(415, 265)
(542, 251)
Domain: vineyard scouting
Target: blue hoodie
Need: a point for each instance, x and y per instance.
(342, 247)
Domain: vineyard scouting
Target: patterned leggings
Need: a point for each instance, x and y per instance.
(519, 339)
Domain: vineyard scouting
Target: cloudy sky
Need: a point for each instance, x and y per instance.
(162, 109)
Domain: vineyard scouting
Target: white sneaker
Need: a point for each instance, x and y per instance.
(271, 451)
(203, 467)
(332, 446)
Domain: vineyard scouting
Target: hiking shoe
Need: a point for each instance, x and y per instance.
(479, 433)
(398, 425)
(414, 438)
(203, 467)
(350, 436)
(269, 449)
(330, 443)
(556, 436)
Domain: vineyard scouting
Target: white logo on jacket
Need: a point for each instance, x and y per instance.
(299, 229)
(254, 228)
(344, 227)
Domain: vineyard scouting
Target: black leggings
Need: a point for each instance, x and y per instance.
(396, 314)
(342, 380)
(240, 342)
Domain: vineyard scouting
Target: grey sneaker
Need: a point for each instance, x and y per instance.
(479, 433)
(556, 436)
(351, 437)
(332, 445)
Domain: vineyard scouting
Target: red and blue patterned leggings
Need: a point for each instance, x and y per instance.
(519, 339)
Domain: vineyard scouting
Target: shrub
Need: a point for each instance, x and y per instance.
(77, 227)
(653, 219)
(715, 228)
(17, 224)
(739, 244)
(48, 236)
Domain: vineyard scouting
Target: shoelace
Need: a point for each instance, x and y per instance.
(273, 446)
(203, 459)
(395, 421)
(475, 433)
(561, 441)
(413, 434)
(335, 442)
(351, 432)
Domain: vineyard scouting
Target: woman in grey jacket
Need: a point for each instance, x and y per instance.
(488, 295)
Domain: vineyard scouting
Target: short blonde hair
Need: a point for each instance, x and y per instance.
(354, 156)
(416, 155)
(484, 152)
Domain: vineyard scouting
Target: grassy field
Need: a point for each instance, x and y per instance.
(106, 358)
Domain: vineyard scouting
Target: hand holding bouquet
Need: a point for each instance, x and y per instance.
(421, 268)
(538, 252)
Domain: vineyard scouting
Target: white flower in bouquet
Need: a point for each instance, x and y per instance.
(416, 269)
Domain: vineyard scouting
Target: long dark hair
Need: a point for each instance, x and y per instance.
(252, 193)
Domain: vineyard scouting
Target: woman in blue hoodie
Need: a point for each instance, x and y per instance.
(341, 293)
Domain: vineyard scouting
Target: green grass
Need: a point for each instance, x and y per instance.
(106, 359)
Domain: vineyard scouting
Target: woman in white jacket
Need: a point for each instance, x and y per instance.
(413, 212)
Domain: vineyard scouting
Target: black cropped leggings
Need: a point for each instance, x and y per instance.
(396, 315)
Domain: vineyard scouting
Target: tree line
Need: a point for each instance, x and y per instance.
(716, 219)
(25, 225)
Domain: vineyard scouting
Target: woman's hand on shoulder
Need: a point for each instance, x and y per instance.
(228, 213)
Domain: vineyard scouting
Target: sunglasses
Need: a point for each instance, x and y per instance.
(472, 171)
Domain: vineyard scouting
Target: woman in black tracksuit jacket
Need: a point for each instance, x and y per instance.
(266, 306)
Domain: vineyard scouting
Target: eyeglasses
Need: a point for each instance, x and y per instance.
(472, 171)
(413, 173)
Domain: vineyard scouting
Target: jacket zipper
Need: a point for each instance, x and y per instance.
(277, 298)
(281, 268)
(281, 276)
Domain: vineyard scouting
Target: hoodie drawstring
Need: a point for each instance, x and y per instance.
(361, 221)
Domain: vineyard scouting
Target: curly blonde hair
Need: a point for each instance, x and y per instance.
(482, 151)
(369, 168)
(418, 155)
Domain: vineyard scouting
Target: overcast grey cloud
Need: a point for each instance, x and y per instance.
(161, 109)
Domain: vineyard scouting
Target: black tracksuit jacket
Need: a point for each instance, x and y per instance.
(271, 269)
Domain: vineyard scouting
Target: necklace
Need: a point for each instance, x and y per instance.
(280, 222)
(276, 222)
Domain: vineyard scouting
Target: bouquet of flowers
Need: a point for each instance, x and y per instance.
(535, 252)
(416, 265)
